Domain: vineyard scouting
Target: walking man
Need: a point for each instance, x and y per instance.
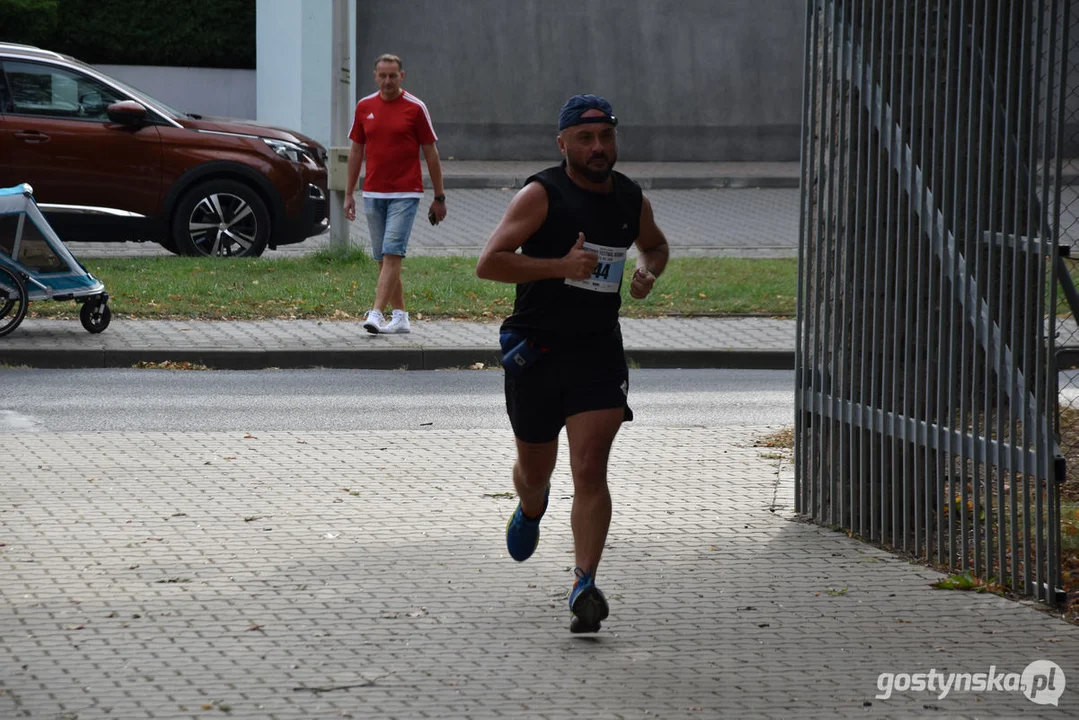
(390, 127)
(565, 364)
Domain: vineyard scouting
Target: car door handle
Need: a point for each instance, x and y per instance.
(32, 136)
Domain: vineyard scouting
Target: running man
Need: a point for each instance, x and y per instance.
(566, 366)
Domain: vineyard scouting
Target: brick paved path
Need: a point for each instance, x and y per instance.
(748, 223)
(323, 575)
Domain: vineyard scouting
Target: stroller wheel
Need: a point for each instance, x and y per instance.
(12, 300)
(95, 316)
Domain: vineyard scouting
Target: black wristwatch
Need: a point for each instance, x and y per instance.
(440, 198)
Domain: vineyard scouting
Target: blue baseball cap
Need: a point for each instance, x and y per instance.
(578, 105)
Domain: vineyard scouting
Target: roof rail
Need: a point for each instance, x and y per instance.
(29, 49)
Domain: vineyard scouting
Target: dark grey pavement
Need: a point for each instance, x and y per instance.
(277, 575)
(363, 574)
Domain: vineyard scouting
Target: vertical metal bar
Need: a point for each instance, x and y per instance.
(925, 296)
(813, 285)
(824, 181)
(1046, 387)
(912, 275)
(923, 269)
(946, 331)
(867, 381)
(970, 333)
(1032, 343)
(857, 350)
(980, 446)
(998, 193)
(896, 222)
(1019, 295)
(842, 279)
(827, 363)
(1053, 490)
(808, 128)
(879, 503)
(890, 497)
(960, 348)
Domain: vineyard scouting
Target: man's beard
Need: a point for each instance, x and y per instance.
(594, 175)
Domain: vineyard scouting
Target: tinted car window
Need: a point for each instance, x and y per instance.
(35, 89)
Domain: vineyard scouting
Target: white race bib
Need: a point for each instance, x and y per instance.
(607, 275)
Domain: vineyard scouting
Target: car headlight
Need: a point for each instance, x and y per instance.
(290, 151)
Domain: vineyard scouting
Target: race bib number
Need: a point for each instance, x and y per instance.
(607, 275)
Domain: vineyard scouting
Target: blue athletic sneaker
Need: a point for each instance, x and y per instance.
(587, 604)
(522, 533)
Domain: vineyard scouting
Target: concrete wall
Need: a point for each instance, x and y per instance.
(205, 91)
(690, 79)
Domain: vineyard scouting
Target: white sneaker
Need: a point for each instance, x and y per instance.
(374, 321)
(397, 324)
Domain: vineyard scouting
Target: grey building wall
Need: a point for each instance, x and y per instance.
(716, 80)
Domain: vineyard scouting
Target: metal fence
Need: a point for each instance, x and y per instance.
(926, 367)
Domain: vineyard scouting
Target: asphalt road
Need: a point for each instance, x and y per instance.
(312, 400)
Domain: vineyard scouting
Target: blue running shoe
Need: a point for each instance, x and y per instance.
(587, 604)
(522, 533)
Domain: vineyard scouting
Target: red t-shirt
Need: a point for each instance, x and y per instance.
(392, 132)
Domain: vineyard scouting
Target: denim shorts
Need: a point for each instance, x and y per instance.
(390, 222)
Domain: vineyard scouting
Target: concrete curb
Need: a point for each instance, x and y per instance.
(405, 358)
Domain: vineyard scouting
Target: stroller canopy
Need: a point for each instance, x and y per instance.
(26, 237)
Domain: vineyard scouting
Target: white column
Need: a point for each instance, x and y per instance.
(304, 51)
(293, 51)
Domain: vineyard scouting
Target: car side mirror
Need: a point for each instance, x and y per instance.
(127, 112)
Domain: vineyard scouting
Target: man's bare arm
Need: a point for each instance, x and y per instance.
(434, 167)
(652, 256)
(500, 260)
(355, 163)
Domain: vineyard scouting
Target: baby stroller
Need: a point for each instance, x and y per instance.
(36, 265)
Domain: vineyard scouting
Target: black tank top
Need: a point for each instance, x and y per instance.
(557, 309)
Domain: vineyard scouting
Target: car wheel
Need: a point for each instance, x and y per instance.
(221, 218)
(169, 243)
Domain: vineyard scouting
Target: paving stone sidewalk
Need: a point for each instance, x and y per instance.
(650, 342)
(291, 575)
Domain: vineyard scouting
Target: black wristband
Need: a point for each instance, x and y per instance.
(440, 198)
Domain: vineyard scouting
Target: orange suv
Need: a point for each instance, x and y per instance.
(109, 163)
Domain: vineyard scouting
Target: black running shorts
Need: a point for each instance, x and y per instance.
(564, 382)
